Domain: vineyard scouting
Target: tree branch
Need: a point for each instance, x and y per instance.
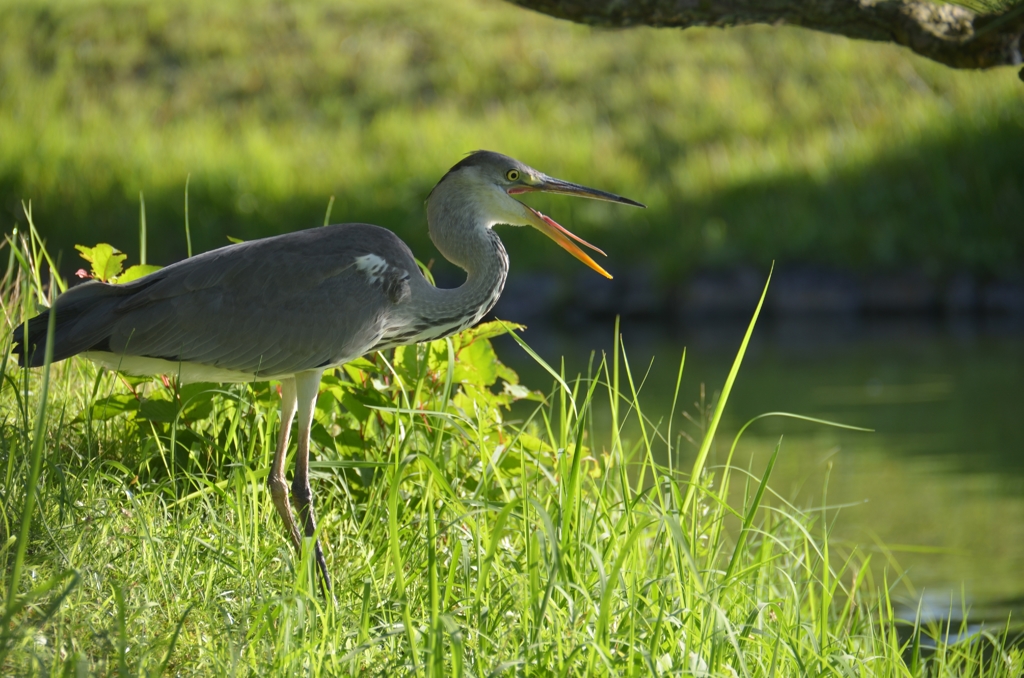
(949, 34)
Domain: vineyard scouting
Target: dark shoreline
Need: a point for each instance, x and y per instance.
(796, 291)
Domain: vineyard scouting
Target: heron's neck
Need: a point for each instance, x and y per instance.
(466, 240)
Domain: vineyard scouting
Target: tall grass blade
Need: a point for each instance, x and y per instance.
(398, 562)
(10, 632)
(458, 649)
(188, 231)
(748, 520)
(364, 612)
(435, 637)
(571, 499)
(540, 361)
(174, 639)
(671, 413)
(497, 530)
(121, 614)
(35, 463)
(604, 611)
(709, 436)
(327, 216)
(142, 229)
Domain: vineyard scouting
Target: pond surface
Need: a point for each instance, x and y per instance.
(941, 480)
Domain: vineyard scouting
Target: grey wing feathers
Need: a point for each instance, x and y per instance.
(84, 308)
(270, 307)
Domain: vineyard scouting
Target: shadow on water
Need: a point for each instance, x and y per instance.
(939, 481)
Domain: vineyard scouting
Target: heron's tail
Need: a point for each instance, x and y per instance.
(84, 316)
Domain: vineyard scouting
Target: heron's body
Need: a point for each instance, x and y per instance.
(324, 296)
(291, 306)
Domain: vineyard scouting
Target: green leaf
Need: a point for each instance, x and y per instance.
(135, 272)
(86, 252)
(106, 261)
(518, 392)
(197, 400)
(326, 403)
(532, 443)
(409, 361)
(507, 373)
(437, 356)
(350, 439)
(321, 436)
(358, 369)
(111, 406)
(160, 411)
(488, 330)
(361, 401)
(197, 391)
(263, 394)
(478, 402)
(477, 364)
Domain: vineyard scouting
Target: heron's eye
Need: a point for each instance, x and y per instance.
(512, 175)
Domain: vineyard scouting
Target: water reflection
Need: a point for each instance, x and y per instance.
(940, 482)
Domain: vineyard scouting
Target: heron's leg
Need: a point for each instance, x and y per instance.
(306, 386)
(276, 481)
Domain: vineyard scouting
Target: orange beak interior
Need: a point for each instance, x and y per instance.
(565, 238)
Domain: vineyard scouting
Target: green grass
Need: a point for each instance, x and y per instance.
(751, 145)
(585, 539)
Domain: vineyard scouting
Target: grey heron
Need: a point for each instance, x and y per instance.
(290, 307)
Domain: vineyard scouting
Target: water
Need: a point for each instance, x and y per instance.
(941, 480)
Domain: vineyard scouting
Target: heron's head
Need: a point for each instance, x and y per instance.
(481, 186)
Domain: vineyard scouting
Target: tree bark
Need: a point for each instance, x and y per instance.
(949, 34)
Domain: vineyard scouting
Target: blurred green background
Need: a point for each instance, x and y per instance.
(749, 145)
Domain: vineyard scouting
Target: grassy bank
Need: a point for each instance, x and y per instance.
(138, 538)
(749, 145)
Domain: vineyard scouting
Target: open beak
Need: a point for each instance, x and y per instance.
(558, 233)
